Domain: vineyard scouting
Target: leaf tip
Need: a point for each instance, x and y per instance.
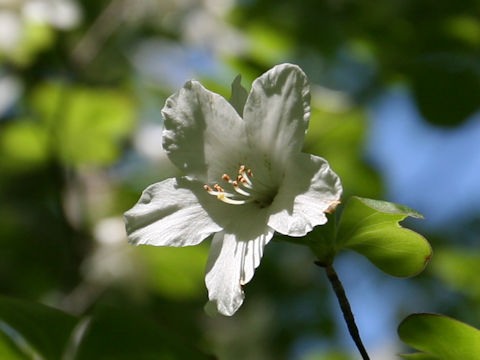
(427, 258)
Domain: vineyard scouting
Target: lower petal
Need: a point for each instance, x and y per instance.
(231, 264)
(309, 190)
(168, 214)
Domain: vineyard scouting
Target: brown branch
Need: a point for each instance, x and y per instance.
(345, 306)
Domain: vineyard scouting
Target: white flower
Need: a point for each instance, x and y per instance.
(245, 178)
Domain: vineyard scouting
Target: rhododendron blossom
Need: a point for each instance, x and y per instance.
(245, 178)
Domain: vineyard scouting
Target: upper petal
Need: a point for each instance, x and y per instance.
(168, 214)
(310, 188)
(277, 112)
(231, 264)
(203, 135)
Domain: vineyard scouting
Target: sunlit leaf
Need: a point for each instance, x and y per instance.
(442, 337)
(267, 45)
(459, 268)
(371, 228)
(173, 272)
(326, 355)
(48, 101)
(45, 329)
(121, 334)
(336, 132)
(87, 124)
(34, 38)
(23, 144)
(464, 28)
(419, 356)
(8, 350)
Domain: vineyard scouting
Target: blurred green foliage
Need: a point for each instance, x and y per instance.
(339, 135)
(432, 45)
(72, 158)
(108, 333)
(46, 330)
(162, 270)
(8, 349)
(80, 126)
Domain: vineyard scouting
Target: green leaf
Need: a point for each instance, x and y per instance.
(371, 228)
(326, 355)
(87, 124)
(34, 38)
(337, 132)
(267, 46)
(45, 329)
(8, 350)
(441, 337)
(176, 273)
(120, 334)
(459, 269)
(23, 144)
(419, 356)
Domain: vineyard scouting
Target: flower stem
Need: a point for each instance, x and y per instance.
(345, 306)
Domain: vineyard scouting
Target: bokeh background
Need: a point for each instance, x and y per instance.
(395, 97)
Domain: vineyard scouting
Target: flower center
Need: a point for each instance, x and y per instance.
(245, 190)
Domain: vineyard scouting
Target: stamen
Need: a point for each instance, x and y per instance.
(243, 175)
(245, 190)
(218, 191)
(241, 191)
(242, 181)
(226, 199)
(235, 185)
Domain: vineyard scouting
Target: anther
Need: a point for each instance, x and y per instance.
(218, 188)
(244, 190)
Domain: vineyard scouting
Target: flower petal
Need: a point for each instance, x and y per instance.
(310, 188)
(203, 133)
(231, 264)
(168, 214)
(277, 112)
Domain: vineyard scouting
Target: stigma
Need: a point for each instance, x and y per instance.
(241, 189)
